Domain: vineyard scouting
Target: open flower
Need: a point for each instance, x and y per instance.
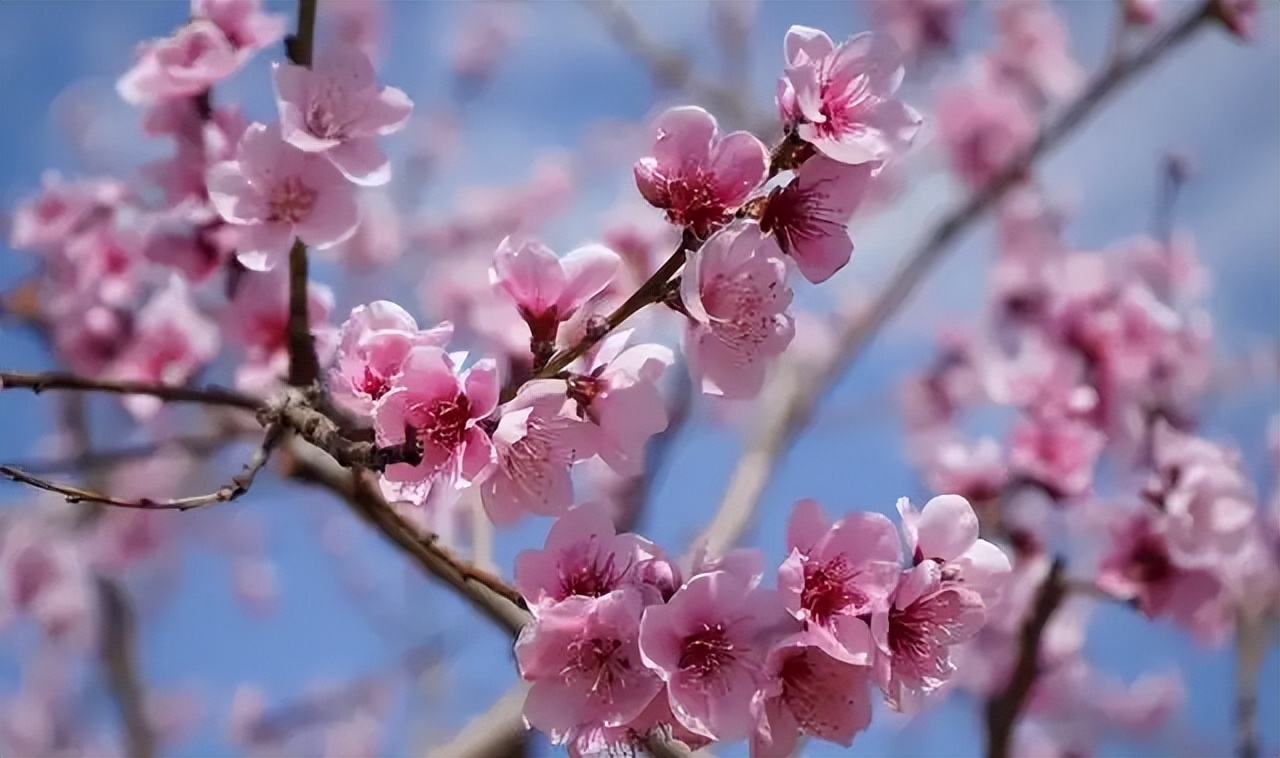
(946, 531)
(196, 57)
(372, 346)
(548, 290)
(735, 290)
(337, 109)
(584, 556)
(810, 216)
(697, 175)
(841, 98)
(277, 192)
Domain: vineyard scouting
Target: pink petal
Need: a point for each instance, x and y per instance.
(808, 524)
(477, 454)
(683, 137)
(529, 272)
(813, 43)
(481, 387)
(390, 111)
(264, 246)
(947, 527)
(235, 199)
(587, 271)
(362, 161)
(739, 165)
(333, 218)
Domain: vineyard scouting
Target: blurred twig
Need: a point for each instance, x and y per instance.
(55, 380)
(117, 651)
(789, 397)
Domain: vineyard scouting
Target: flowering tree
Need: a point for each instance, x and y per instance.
(1059, 436)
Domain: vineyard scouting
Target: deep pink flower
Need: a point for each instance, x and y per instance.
(841, 98)
(708, 643)
(808, 692)
(277, 192)
(372, 346)
(583, 657)
(619, 395)
(983, 127)
(583, 556)
(913, 636)
(337, 109)
(837, 573)
(697, 175)
(548, 290)
(195, 58)
(810, 216)
(538, 438)
(735, 289)
(945, 531)
(246, 27)
(443, 409)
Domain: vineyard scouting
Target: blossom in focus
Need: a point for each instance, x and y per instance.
(945, 531)
(548, 290)
(735, 290)
(696, 174)
(276, 193)
(809, 217)
(372, 345)
(841, 98)
(195, 58)
(336, 108)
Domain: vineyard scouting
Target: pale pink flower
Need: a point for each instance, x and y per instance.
(1032, 50)
(810, 216)
(974, 470)
(618, 393)
(836, 575)
(548, 290)
(372, 345)
(697, 175)
(538, 438)
(246, 27)
(277, 192)
(735, 289)
(44, 575)
(655, 720)
(945, 531)
(337, 109)
(442, 409)
(841, 98)
(583, 556)
(1055, 450)
(171, 342)
(257, 318)
(62, 208)
(920, 27)
(708, 643)
(583, 657)
(913, 636)
(195, 58)
(808, 692)
(984, 127)
(104, 262)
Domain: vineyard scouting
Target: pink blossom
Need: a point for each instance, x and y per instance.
(246, 27)
(983, 127)
(372, 346)
(810, 216)
(195, 58)
(583, 556)
(697, 175)
(277, 192)
(538, 438)
(60, 209)
(1055, 450)
(104, 262)
(583, 657)
(443, 409)
(336, 108)
(1239, 16)
(841, 98)
(974, 470)
(708, 643)
(618, 393)
(44, 575)
(919, 27)
(548, 290)
(257, 318)
(171, 341)
(914, 634)
(1032, 50)
(735, 290)
(945, 531)
(655, 720)
(837, 573)
(808, 692)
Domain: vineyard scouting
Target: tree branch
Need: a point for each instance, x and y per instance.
(789, 398)
(118, 659)
(304, 366)
(1003, 710)
(39, 382)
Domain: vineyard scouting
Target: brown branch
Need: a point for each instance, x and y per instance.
(238, 485)
(299, 414)
(789, 398)
(489, 594)
(117, 652)
(499, 731)
(1252, 635)
(1002, 710)
(39, 382)
(304, 366)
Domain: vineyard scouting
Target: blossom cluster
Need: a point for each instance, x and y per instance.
(626, 644)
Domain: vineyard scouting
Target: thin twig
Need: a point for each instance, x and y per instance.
(1003, 709)
(39, 382)
(202, 444)
(117, 651)
(789, 398)
(238, 485)
(1252, 632)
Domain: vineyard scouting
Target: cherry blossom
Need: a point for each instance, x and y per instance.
(548, 290)
(983, 127)
(840, 98)
(809, 217)
(246, 27)
(277, 192)
(919, 27)
(372, 346)
(257, 318)
(442, 409)
(696, 174)
(584, 556)
(335, 108)
(945, 531)
(735, 289)
(196, 57)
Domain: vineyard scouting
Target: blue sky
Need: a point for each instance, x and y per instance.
(1216, 100)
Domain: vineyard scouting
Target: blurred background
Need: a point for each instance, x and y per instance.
(283, 599)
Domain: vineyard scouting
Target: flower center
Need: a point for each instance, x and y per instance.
(444, 422)
(582, 572)
(601, 661)
(828, 589)
(291, 201)
(373, 384)
(707, 653)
